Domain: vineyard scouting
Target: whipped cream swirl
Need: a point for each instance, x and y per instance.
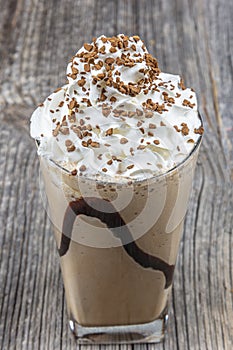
(118, 115)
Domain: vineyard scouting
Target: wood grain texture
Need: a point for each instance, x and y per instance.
(191, 38)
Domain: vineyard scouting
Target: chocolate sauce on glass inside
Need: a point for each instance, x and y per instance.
(113, 220)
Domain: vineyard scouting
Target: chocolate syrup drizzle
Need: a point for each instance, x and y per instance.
(113, 221)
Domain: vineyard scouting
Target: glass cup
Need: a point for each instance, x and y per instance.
(118, 243)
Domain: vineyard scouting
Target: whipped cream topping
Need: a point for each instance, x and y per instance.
(118, 115)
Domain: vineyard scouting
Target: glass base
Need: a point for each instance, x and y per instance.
(152, 332)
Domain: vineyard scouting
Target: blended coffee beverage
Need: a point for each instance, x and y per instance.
(118, 146)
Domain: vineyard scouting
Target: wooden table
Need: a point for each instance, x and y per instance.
(191, 38)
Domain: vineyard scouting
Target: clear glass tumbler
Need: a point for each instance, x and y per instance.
(118, 244)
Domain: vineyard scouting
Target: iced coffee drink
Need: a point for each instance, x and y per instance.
(117, 146)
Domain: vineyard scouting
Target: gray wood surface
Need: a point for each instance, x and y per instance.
(191, 38)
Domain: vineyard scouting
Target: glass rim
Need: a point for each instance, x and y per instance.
(136, 181)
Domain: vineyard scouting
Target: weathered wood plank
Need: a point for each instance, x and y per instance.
(191, 38)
